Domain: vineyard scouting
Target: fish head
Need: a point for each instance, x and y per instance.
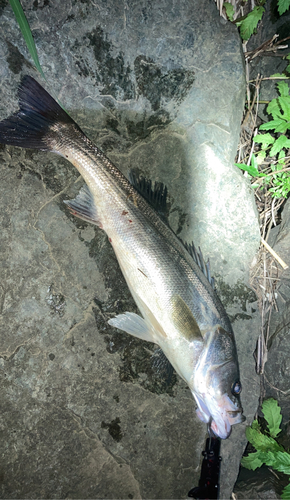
(216, 383)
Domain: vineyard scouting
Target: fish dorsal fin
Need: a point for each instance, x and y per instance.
(83, 206)
(154, 193)
(184, 320)
(199, 260)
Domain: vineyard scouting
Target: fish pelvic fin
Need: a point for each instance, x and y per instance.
(33, 125)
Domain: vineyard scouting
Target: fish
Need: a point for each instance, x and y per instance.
(180, 310)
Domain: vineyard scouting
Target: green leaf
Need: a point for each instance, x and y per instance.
(285, 106)
(249, 24)
(24, 26)
(273, 108)
(261, 156)
(286, 492)
(282, 462)
(283, 5)
(261, 441)
(248, 168)
(271, 409)
(281, 156)
(252, 461)
(264, 139)
(278, 75)
(229, 10)
(280, 143)
(255, 425)
(275, 125)
(283, 89)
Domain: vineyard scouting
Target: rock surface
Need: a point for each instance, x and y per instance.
(160, 88)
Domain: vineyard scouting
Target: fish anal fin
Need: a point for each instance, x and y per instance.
(134, 325)
(83, 206)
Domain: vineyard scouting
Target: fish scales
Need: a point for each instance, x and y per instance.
(180, 310)
(93, 165)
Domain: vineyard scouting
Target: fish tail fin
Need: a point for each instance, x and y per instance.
(32, 126)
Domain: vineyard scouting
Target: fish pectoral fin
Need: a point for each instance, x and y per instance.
(83, 206)
(134, 325)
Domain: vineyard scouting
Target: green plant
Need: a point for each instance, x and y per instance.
(273, 145)
(248, 23)
(269, 451)
(26, 32)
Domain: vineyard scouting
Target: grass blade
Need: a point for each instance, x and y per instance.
(26, 32)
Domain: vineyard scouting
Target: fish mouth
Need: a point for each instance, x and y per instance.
(219, 414)
(222, 427)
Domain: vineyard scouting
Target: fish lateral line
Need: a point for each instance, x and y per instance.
(178, 271)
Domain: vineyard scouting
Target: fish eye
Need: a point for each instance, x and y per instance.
(236, 388)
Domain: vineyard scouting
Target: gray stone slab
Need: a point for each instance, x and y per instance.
(160, 88)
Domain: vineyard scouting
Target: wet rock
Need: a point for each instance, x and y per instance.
(160, 88)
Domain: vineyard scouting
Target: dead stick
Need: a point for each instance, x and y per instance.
(281, 262)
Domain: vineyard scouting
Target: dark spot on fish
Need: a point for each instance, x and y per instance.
(124, 212)
(114, 429)
(51, 357)
(116, 398)
(130, 220)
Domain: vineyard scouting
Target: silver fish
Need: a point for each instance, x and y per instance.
(180, 310)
